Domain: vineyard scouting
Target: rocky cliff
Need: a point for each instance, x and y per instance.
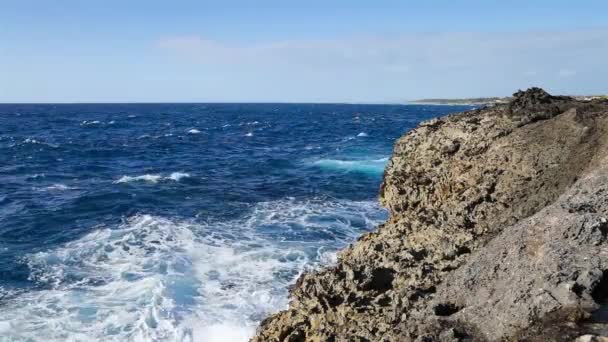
(497, 231)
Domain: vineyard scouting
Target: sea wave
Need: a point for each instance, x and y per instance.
(90, 123)
(156, 278)
(33, 141)
(367, 166)
(152, 178)
(177, 176)
(57, 187)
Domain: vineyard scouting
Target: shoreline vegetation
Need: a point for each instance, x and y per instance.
(497, 231)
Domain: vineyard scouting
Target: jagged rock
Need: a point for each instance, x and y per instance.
(536, 104)
(497, 231)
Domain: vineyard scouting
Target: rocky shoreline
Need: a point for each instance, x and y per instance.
(490, 101)
(498, 231)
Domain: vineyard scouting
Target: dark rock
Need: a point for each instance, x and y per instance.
(451, 148)
(445, 309)
(535, 104)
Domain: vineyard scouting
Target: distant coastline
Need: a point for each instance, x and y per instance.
(464, 102)
(486, 101)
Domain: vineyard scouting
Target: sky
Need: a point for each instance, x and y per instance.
(373, 51)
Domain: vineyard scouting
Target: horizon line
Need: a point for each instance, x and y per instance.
(214, 102)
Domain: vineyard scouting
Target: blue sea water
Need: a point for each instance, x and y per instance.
(187, 222)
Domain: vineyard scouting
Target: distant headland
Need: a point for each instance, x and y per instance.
(488, 100)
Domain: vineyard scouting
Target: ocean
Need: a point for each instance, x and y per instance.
(179, 222)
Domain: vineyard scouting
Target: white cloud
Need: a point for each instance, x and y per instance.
(402, 53)
(400, 66)
(311, 53)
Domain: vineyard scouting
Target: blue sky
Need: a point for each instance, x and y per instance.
(297, 51)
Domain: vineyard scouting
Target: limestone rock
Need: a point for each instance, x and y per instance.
(497, 231)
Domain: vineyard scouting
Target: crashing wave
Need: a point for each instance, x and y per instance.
(154, 278)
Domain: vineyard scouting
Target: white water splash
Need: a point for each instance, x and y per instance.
(157, 279)
(152, 178)
(57, 187)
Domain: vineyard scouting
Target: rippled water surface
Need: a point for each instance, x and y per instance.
(187, 222)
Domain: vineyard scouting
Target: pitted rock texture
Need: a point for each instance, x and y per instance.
(497, 231)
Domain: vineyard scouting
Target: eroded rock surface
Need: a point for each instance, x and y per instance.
(497, 231)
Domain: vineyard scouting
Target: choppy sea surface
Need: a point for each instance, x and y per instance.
(179, 222)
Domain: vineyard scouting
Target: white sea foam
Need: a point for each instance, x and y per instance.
(143, 178)
(57, 187)
(90, 122)
(250, 123)
(38, 142)
(176, 176)
(328, 258)
(311, 147)
(222, 333)
(157, 279)
(152, 178)
(362, 134)
(194, 131)
(250, 134)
